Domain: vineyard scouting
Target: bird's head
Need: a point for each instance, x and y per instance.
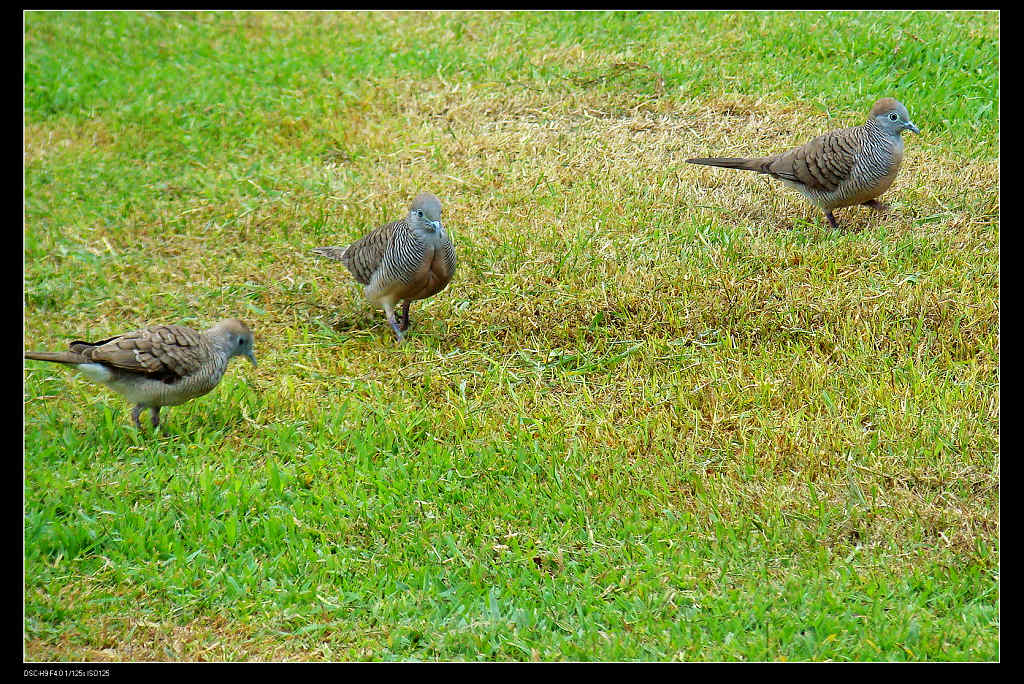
(892, 117)
(425, 213)
(238, 339)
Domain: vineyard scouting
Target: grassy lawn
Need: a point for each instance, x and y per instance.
(663, 412)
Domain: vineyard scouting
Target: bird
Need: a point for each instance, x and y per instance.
(402, 261)
(158, 365)
(839, 168)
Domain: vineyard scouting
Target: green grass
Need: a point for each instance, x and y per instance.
(663, 411)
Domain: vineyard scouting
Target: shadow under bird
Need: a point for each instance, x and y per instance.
(160, 365)
(840, 168)
(402, 261)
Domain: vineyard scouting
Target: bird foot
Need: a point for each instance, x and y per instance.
(877, 206)
(398, 331)
(403, 320)
(154, 417)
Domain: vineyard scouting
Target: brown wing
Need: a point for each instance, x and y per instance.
(363, 257)
(166, 351)
(822, 164)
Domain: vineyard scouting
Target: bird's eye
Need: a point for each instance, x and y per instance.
(893, 117)
(419, 212)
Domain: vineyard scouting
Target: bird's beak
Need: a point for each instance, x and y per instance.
(436, 224)
(252, 358)
(910, 126)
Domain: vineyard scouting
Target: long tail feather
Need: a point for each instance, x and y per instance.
(336, 253)
(56, 357)
(729, 163)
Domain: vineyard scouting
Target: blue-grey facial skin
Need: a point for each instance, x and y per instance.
(425, 214)
(245, 349)
(896, 121)
(420, 220)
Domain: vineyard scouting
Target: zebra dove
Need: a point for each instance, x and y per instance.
(401, 261)
(840, 168)
(160, 365)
